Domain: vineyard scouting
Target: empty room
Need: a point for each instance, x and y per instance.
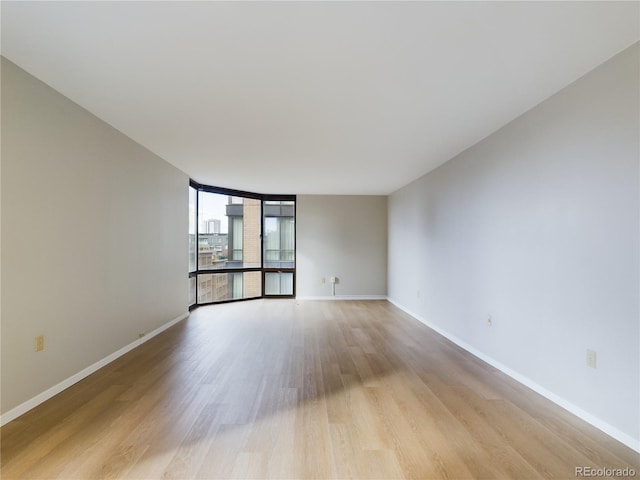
(320, 240)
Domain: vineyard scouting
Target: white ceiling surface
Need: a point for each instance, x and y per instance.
(312, 97)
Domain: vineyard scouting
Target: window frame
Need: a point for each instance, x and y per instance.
(193, 273)
(262, 269)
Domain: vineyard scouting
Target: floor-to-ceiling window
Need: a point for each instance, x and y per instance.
(241, 245)
(193, 252)
(279, 247)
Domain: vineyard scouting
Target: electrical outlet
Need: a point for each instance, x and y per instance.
(333, 280)
(39, 343)
(141, 334)
(323, 280)
(591, 358)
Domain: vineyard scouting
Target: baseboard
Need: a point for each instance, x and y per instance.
(47, 394)
(600, 424)
(344, 297)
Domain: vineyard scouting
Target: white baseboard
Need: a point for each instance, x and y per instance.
(47, 394)
(600, 424)
(345, 297)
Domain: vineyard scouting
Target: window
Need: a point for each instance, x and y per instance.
(237, 236)
(192, 290)
(278, 283)
(193, 256)
(228, 232)
(222, 287)
(192, 229)
(279, 247)
(241, 245)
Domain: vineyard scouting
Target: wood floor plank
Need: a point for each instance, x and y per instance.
(220, 460)
(39, 449)
(285, 389)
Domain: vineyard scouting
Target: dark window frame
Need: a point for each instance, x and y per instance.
(199, 187)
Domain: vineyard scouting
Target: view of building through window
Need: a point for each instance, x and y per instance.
(279, 246)
(229, 238)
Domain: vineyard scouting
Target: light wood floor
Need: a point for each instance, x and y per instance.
(277, 389)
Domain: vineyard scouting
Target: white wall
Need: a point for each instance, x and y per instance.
(341, 236)
(94, 249)
(538, 226)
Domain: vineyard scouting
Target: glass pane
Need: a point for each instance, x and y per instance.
(237, 237)
(236, 290)
(229, 232)
(279, 234)
(192, 290)
(192, 229)
(278, 283)
(218, 287)
(252, 284)
(271, 283)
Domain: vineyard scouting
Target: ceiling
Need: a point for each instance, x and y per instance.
(312, 97)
